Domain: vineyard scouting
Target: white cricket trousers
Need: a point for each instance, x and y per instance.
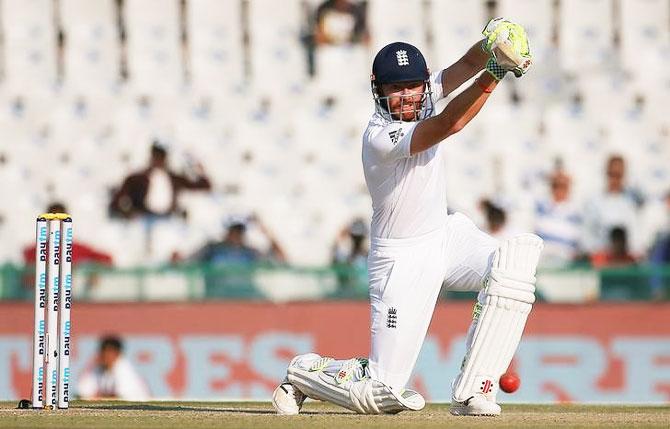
(405, 276)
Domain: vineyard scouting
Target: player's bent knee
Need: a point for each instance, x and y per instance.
(513, 269)
(366, 396)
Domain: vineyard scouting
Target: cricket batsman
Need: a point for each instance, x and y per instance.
(416, 247)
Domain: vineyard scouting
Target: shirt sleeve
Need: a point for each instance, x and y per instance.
(436, 86)
(393, 141)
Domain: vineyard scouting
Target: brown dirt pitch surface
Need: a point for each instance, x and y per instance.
(166, 415)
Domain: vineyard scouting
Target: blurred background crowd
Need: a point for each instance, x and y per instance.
(211, 148)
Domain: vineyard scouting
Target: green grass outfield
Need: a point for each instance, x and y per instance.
(165, 415)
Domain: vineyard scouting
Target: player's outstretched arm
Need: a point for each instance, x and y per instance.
(455, 116)
(505, 49)
(462, 70)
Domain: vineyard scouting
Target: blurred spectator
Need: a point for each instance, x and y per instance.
(112, 376)
(558, 221)
(616, 283)
(341, 22)
(82, 253)
(660, 253)
(496, 219)
(659, 257)
(617, 253)
(237, 258)
(233, 249)
(336, 24)
(155, 189)
(617, 206)
(350, 258)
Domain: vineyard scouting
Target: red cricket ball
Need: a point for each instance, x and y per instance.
(509, 382)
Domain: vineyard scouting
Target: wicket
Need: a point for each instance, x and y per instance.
(53, 296)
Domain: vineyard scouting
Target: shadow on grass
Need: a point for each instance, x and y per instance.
(153, 407)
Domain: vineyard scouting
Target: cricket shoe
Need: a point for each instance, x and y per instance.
(287, 399)
(476, 405)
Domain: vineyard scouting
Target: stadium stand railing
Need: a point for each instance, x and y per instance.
(269, 282)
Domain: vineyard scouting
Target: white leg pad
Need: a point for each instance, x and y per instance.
(499, 317)
(364, 396)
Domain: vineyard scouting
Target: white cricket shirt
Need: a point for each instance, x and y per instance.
(121, 382)
(408, 192)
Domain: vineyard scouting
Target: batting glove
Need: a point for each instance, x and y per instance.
(507, 43)
(491, 28)
(495, 70)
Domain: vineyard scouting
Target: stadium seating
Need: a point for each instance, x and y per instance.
(644, 37)
(216, 57)
(154, 50)
(91, 56)
(392, 20)
(29, 44)
(278, 62)
(456, 26)
(277, 143)
(585, 35)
